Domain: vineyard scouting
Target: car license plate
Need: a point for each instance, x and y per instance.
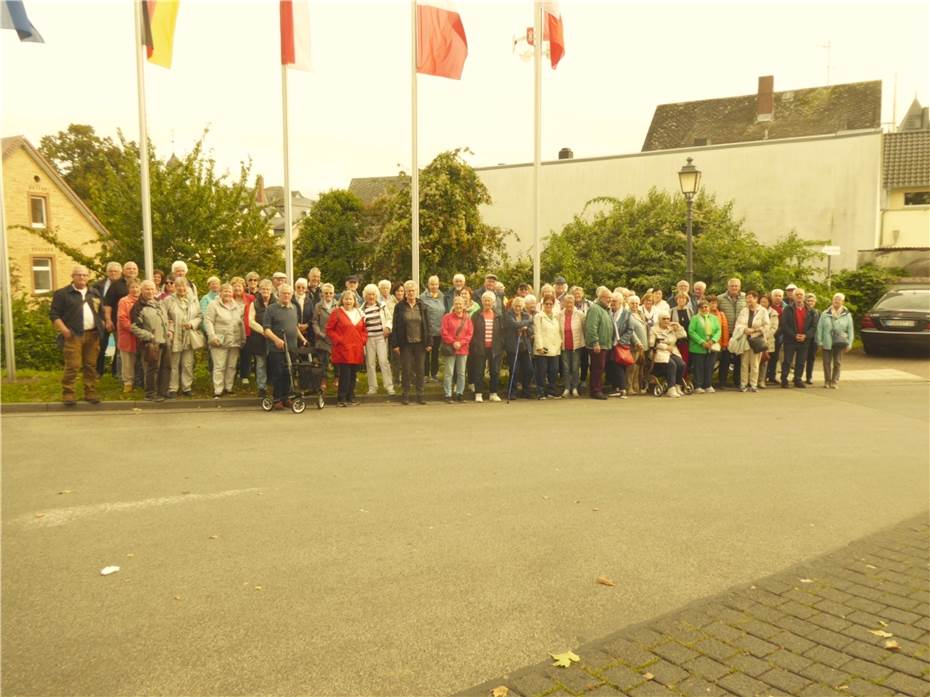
(899, 323)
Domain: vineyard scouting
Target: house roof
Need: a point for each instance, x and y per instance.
(275, 196)
(906, 159)
(10, 145)
(370, 188)
(806, 112)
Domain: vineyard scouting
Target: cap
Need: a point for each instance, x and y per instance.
(490, 277)
(279, 274)
(353, 277)
(790, 286)
(560, 279)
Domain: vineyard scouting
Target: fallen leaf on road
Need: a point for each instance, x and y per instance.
(881, 632)
(564, 660)
(107, 570)
(545, 498)
(213, 537)
(842, 687)
(870, 566)
(501, 691)
(130, 555)
(806, 580)
(595, 509)
(65, 491)
(177, 597)
(604, 581)
(883, 623)
(40, 515)
(648, 676)
(258, 588)
(892, 645)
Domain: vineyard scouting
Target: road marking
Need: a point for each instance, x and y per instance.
(61, 516)
(879, 374)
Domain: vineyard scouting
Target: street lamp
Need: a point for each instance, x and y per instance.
(689, 177)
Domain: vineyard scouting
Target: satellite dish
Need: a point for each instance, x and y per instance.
(523, 46)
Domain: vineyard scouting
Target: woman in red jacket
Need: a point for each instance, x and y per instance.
(346, 330)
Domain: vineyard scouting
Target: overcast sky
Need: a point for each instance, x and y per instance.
(350, 117)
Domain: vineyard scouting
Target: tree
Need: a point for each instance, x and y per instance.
(331, 236)
(212, 222)
(642, 243)
(80, 156)
(453, 239)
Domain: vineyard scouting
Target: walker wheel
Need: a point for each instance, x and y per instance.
(298, 406)
(267, 403)
(320, 402)
(687, 387)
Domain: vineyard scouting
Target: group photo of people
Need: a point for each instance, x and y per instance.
(481, 344)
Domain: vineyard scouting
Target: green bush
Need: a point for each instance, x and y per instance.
(36, 340)
(862, 288)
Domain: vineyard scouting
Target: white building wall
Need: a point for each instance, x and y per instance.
(824, 187)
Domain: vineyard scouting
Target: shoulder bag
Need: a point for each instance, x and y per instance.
(448, 349)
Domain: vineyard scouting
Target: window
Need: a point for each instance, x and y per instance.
(917, 198)
(42, 281)
(37, 211)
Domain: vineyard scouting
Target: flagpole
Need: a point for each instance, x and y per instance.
(143, 146)
(414, 167)
(537, 131)
(288, 213)
(9, 333)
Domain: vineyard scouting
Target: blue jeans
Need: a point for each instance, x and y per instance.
(703, 365)
(571, 364)
(454, 364)
(547, 373)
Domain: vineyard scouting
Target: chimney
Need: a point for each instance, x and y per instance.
(566, 154)
(260, 190)
(765, 101)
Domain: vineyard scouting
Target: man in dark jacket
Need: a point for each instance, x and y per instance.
(114, 272)
(410, 339)
(798, 323)
(76, 315)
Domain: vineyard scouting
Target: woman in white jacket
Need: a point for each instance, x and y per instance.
(753, 320)
(223, 322)
(547, 348)
(184, 317)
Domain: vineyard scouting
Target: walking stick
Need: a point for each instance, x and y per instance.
(513, 371)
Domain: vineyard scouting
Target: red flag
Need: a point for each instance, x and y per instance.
(441, 43)
(552, 32)
(295, 34)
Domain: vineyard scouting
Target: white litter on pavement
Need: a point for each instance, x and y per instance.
(107, 570)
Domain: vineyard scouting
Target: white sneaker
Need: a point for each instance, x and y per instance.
(494, 397)
(391, 391)
(673, 392)
(478, 397)
(371, 392)
(698, 390)
(710, 390)
(575, 392)
(245, 381)
(565, 393)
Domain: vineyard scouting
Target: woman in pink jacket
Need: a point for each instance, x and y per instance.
(125, 340)
(456, 331)
(348, 334)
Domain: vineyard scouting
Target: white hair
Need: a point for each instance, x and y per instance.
(370, 288)
(699, 284)
(285, 288)
(489, 294)
(458, 277)
(179, 266)
(114, 266)
(664, 314)
(841, 296)
(328, 287)
(301, 282)
(384, 282)
(633, 299)
(410, 284)
(529, 298)
(602, 290)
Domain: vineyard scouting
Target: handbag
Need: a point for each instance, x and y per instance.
(757, 343)
(738, 345)
(197, 340)
(623, 355)
(151, 352)
(840, 338)
(448, 349)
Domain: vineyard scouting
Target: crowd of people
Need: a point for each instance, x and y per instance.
(547, 345)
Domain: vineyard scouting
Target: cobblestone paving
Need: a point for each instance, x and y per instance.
(813, 630)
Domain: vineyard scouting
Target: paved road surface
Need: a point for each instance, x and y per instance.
(417, 550)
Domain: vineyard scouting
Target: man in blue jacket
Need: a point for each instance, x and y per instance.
(798, 324)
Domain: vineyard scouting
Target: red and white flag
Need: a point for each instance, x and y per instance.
(552, 31)
(441, 43)
(295, 34)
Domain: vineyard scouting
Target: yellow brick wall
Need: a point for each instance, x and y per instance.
(62, 216)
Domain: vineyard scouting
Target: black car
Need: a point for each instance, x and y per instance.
(899, 321)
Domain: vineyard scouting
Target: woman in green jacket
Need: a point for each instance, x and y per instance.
(704, 344)
(834, 336)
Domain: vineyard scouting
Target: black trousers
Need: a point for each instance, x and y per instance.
(277, 375)
(585, 356)
(158, 373)
(431, 359)
(797, 354)
(809, 360)
(773, 359)
(726, 360)
(493, 362)
(522, 374)
(348, 373)
(412, 365)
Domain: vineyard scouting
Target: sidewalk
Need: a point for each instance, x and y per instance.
(818, 629)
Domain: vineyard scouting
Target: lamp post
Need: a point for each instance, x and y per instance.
(689, 177)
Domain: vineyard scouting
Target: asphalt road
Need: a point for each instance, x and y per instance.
(417, 550)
